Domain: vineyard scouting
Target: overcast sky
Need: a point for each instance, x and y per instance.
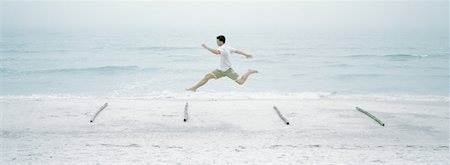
(335, 14)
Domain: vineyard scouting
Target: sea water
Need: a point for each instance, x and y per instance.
(144, 62)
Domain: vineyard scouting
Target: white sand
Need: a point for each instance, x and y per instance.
(323, 130)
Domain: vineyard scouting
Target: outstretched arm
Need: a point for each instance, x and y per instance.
(210, 49)
(247, 55)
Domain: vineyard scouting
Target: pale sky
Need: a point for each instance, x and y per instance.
(249, 14)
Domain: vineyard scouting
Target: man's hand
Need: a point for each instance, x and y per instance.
(211, 50)
(247, 55)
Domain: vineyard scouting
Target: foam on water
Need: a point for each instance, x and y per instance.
(208, 96)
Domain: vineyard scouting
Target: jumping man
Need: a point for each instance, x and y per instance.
(224, 51)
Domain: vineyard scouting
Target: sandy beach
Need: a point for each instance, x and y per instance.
(323, 130)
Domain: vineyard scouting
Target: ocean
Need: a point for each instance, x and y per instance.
(151, 62)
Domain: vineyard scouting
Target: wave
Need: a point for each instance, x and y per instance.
(92, 69)
(265, 61)
(398, 57)
(21, 51)
(339, 65)
(14, 59)
(373, 75)
(165, 48)
(407, 55)
(102, 69)
(367, 75)
(287, 54)
(168, 95)
(392, 55)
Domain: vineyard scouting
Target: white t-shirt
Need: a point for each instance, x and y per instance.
(225, 52)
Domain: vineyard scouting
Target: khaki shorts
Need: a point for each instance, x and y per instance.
(229, 73)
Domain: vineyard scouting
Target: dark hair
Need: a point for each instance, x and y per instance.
(221, 38)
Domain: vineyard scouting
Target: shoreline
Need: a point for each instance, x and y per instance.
(233, 95)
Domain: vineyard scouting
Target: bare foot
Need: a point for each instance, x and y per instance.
(191, 89)
(251, 71)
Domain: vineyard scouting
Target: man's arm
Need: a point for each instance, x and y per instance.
(210, 49)
(247, 55)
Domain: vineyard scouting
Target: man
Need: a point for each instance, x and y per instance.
(225, 69)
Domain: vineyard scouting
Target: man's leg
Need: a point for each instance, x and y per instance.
(201, 82)
(245, 76)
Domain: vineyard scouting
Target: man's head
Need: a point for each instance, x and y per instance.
(220, 40)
